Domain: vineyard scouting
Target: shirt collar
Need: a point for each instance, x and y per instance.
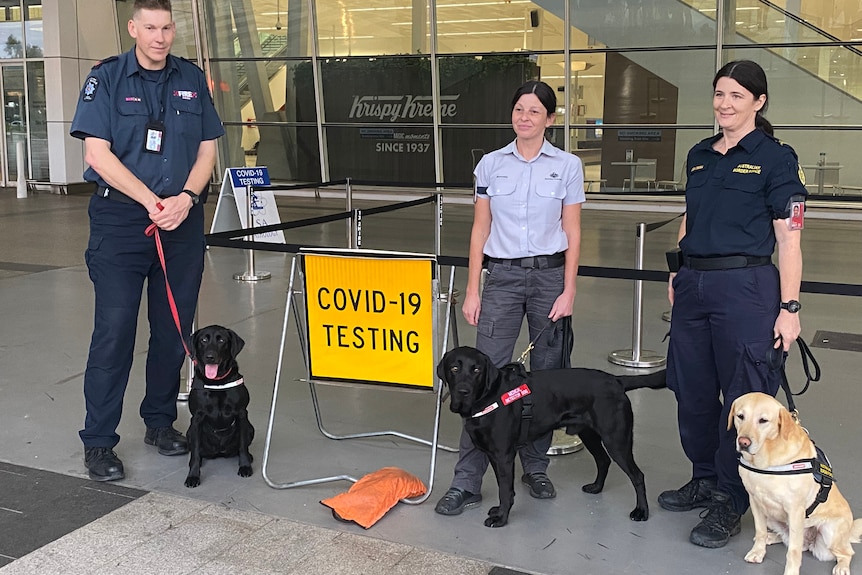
(547, 149)
(748, 143)
(131, 63)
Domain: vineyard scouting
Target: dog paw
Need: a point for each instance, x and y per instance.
(841, 570)
(193, 481)
(495, 518)
(756, 555)
(639, 514)
(592, 488)
(245, 471)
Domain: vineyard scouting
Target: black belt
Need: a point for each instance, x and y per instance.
(726, 262)
(533, 262)
(115, 195)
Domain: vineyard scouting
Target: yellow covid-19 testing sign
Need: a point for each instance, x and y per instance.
(370, 319)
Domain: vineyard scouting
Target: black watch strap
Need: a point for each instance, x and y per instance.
(195, 198)
(792, 306)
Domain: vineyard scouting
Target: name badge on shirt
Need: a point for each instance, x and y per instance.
(155, 137)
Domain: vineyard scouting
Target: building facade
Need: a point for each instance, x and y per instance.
(414, 91)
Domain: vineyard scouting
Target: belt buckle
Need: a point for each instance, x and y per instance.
(528, 262)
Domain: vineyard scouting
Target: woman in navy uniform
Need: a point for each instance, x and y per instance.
(149, 129)
(731, 305)
(527, 233)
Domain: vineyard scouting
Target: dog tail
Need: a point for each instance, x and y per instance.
(856, 531)
(655, 380)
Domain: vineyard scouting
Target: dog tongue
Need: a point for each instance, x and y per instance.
(211, 370)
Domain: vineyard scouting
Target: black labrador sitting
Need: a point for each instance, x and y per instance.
(218, 402)
(508, 407)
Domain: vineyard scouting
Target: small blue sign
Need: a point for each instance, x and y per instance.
(245, 177)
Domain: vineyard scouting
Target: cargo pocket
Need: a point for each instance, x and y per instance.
(756, 371)
(90, 253)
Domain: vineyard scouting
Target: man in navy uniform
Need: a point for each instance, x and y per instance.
(149, 129)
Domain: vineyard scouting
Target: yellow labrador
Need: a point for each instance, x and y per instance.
(769, 439)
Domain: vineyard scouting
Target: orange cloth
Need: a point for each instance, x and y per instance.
(371, 497)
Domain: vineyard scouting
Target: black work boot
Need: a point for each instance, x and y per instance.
(167, 439)
(457, 500)
(695, 493)
(103, 464)
(720, 523)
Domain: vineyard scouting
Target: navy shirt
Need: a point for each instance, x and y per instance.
(117, 102)
(733, 199)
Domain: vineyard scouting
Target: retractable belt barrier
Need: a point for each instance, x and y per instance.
(239, 239)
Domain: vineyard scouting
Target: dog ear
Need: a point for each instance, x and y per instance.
(441, 369)
(194, 344)
(787, 426)
(236, 342)
(731, 414)
(492, 374)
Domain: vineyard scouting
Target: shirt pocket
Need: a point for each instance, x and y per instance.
(133, 121)
(190, 113)
(551, 189)
(502, 187)
(697, 179)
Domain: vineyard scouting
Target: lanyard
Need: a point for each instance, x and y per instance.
(163, 81)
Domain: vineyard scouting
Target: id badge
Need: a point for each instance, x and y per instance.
(796, 221)
(155, 137)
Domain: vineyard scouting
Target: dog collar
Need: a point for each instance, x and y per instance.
(218, 386)
(818, 466)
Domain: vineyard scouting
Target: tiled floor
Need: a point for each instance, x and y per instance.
(235, 525)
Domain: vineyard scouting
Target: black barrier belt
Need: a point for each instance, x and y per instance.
(657, 225)
(282, 226)
(227, 240)
(393, 207)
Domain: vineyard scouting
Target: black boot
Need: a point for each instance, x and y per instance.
(720, 523)
(695, 493)
(103, 464)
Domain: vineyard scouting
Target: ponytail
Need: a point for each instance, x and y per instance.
(763, 124)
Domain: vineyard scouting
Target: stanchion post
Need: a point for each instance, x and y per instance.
(250, 275)
(189, 366)
(636, 357)
(22, 168)
(351, 221)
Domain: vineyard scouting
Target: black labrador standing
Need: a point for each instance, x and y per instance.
(218, 401)
(507, 407)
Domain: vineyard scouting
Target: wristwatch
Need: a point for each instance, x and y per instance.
(195, 198)
(792, 306)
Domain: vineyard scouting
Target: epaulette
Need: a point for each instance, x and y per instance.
(192, 62)
(105, 61)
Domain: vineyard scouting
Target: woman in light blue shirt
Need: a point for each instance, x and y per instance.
(527, 234)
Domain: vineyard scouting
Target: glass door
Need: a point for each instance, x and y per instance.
(14, 117)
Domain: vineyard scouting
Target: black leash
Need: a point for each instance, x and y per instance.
(530, 347)
(776, 360)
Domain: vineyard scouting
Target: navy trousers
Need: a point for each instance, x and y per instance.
(720, 339)
(120, 259)
(511, 293)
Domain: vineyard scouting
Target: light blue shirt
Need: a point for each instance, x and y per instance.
(527, 199)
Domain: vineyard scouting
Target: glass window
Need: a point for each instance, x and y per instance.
(37, 121)
(33, 28)
(258, 28)
(360, 28)
(11, 29)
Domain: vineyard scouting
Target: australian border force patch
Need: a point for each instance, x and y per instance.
(90, 88)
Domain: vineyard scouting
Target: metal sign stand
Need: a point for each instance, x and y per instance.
(291, 304)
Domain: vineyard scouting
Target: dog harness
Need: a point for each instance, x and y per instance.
(818, 466)
(521, 392)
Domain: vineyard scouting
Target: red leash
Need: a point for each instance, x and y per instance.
(153, 230)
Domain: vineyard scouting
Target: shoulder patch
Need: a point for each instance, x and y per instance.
(90, 88)
(801, 174)
(105, 61)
